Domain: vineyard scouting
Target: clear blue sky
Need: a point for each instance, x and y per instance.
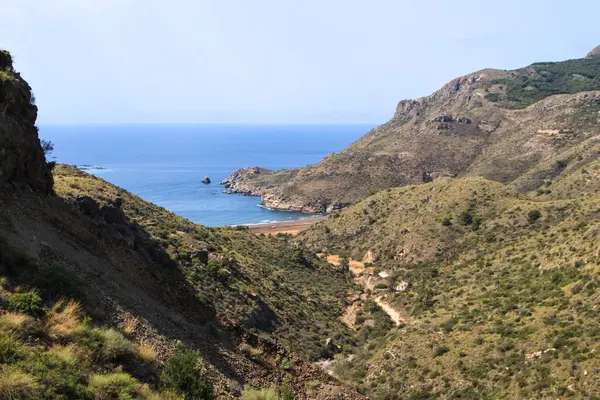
(272, 61)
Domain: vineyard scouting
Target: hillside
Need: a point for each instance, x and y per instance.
(506, 126)
(498, 290)
(104, 295)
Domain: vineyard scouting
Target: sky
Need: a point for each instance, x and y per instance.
(272, 61)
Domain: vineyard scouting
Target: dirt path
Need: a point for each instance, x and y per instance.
(362, 275)
(395, 315)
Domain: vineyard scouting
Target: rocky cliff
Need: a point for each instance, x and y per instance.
(22, 160)
(508, 126)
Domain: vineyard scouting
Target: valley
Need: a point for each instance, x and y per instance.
(458, 256)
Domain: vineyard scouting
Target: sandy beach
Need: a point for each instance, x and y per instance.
(290, 227)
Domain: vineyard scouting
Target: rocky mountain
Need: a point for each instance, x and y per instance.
(521, 127)
(105, 296)
(594, 53)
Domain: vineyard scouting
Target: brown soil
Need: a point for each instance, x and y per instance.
(290, 228)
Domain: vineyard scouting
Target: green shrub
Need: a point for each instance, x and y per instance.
(381, 286)
(440, 351)
(182, 374)
(113, 386)
(533, 216)
(286, 392)
(16, 384)
(264, 394)
(466, 218)
(27, 303)
(56, 281)
(59, 373)
(493, 97)
(115, 345)
(11, 350)
(449, 324)
(285, 364)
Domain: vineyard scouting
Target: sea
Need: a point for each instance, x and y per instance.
(165, 164)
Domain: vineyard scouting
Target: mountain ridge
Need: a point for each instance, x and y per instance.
(447, 133)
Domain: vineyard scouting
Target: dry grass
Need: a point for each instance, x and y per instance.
(130, 325)
(115, 385)
(65, 318)
(17, 385)
(251, 352)
(264, 394)
(20, 325)
(147, 352)
(70, 354)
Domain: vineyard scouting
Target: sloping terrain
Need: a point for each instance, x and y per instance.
(104, 295)
(506, 126)
(498, 289)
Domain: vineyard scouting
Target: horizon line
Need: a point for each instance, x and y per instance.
(209, 123)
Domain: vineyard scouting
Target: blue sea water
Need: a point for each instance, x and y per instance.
(165, 164)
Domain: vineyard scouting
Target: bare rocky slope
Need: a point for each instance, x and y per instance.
(150, 284)
(509, 126)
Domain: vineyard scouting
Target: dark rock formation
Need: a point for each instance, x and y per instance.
(22, 161)
(206, 180)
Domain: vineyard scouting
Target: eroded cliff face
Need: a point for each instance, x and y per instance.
(22, 161)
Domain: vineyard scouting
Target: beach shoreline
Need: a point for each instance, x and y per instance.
(287, 227)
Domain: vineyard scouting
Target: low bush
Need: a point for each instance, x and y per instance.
(56, 281)
(533, 216)
(182, 374)
(440, 351)
(11, 350)
(263, 394)
(116, 346)
(113, 386)
(16, 384)
(27, 302)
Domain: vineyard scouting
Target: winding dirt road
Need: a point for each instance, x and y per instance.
(362, 275)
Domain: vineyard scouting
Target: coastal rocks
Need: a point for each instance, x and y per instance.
(246, 181)
(274, 200)
(206, 180)
(226, 183)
